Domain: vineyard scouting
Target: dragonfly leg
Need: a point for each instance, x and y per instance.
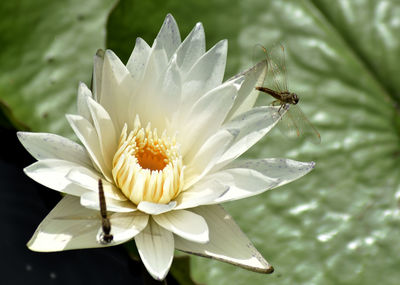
(282, 105)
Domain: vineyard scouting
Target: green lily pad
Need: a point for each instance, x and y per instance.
(47, 48)
(339, 224)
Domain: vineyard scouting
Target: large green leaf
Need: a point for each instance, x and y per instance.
(131, 19)
(340, 224)
(47, 47)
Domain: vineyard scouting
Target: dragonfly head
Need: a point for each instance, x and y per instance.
(295, 99)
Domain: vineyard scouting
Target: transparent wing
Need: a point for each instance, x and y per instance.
(288, 126)
(277, 68)
(259, 55)
(275, 57)
(295, 124)
(260, 62)
(258, 66)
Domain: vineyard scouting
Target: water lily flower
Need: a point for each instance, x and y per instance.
(163, 133)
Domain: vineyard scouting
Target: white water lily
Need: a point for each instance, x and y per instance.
(164, 134)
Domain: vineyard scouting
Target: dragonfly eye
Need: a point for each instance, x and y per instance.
(295, 99)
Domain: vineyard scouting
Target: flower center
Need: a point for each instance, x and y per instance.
(147, 167)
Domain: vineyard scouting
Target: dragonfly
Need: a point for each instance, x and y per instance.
(105, 237)
(294, 123)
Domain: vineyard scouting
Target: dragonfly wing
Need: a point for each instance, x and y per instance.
(259, 66)
(277, 69)
(260, 59)
(288, 126)
(298, 125)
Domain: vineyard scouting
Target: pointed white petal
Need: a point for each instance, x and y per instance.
(125, 226)
(45, 146)
(227, 242)
(206, 74)
(247, 94)
(206, 157)
(138, 60)
(154, 208)
(116, 89)
(250, 127)
(170, 92)
(105, 131)
(87, 134)
(167, 97)
(51, 173)
(185, 224)
(192, 48)
(155, 69)
(156, 249)
(91, 200)
(148, 94)
(251, 177)
(113, 66)
(89, 179)
(98, 74)
(83, 94)
(168, 37)
(71, 226)
(202, 193)
(206, 116)
(56, 234)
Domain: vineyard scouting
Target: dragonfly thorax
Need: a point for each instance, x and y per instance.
(289, 98)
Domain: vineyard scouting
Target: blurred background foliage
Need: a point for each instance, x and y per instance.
(338, 225)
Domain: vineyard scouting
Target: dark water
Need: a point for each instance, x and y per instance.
(23, 205)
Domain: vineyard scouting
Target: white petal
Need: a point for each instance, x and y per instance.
(167, 97)
(113, 66)
(148, 91)
(208, 155)
(170, 92)
(116, 89)
(56, 234)
(91, 200)
(251, 177)
(125, 226)
(168, 37)
(138, 60)
(45, 146)
(156, 249)
(83, 94)
(87, 134)
(155, 208)
(185, 224)
(71, 226)
(89, 179)
(202, 193)
(51, 173)
(247, 94)
(206, 116)
(105, 131)
(250, 127)
(98, 74)
(192, 48)
(206, 74)
(227, 242)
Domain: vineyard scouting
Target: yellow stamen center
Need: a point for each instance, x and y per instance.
(147, 167)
